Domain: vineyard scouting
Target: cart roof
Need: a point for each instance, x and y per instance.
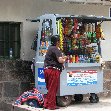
(87, 17)
(92, 18)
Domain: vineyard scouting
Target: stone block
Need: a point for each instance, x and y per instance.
(2, 65)
(24, 86)
(18, 64)
(10, 76)
(15, 75)
(10, 99)
(7, 76)
(1, 90)
(9, 65)
(2, 75)
(108, 65)
(109, 94)
(7, 106)
(107, 74)
(11, 89)
(104, 94)
(107, 85)
(26, 64)
(0, 105)
(23, 65)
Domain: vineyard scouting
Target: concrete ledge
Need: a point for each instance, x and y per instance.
(20, 108)
(25, 108)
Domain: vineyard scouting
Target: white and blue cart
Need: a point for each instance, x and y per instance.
(77, 78)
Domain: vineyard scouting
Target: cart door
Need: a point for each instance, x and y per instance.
(45, 31)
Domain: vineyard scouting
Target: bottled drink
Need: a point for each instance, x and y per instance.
(76, 58)
(73, 58)
(91, 60)
(70, 59)
(11, 53)
(82, 59)
(86, 59)
(97, 58)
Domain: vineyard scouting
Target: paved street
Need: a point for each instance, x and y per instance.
(104, 104)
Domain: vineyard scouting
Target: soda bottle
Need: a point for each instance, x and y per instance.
(73, 58)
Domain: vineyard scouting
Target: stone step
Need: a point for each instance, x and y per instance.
(10, 107)
(25, 108)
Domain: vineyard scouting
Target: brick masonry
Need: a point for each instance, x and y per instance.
(107, 79)
(16, 76)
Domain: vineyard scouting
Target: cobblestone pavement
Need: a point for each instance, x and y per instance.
(103, 105)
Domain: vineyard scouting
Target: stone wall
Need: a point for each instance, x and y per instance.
(107, 80)
(15, 78)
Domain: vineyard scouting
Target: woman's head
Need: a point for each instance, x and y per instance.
(54, 40)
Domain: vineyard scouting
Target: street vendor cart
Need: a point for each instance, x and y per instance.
(80, 38)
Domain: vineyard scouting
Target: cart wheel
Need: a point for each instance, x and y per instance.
(78, 97)
(64, 100)
(94, 98)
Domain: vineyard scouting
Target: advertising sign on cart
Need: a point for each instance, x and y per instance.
(80, 77)
(41, 80)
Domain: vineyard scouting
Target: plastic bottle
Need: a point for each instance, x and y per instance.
(86, 59)
(70, 59)
(11, 53)
(76, 58)
(73, 58)
(97, 58)
(91, 59)
(80, 57)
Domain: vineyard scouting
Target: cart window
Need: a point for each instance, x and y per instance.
(46, 32)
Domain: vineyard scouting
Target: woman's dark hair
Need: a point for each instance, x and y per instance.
(54, 39)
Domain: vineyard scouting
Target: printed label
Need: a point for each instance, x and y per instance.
(79, 77)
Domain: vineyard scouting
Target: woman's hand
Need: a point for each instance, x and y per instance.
(65, 57)
(62, 59)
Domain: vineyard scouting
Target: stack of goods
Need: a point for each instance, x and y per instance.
(79, 40)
